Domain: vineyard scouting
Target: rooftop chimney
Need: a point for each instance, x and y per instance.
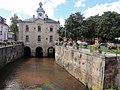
(33, 16)
(46, 16)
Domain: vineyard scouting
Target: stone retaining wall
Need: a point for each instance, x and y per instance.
(96, 71)
(9, 53)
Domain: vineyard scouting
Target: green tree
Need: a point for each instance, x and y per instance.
(72, 23)
(13, 25)
(88, 28)
(106, 27)
(109, 27)
(62, 31)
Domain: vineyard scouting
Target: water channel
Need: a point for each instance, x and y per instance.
(32, 73)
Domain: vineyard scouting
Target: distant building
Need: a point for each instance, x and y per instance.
(38, 33)
(4, 28)
(10, 36)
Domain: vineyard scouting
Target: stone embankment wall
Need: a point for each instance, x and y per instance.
(97, 71)
(10, 52)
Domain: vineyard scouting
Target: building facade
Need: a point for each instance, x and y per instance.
(38, 33)
(4, 28)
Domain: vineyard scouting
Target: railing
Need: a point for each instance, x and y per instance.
(87, 49)
(4, 44)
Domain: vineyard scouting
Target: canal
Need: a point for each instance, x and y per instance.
(37, 73)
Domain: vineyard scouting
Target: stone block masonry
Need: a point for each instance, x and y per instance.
(10, 52)
(97, 71)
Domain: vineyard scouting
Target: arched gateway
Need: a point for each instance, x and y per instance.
(51, 52)
(27, 51)
(39, 52)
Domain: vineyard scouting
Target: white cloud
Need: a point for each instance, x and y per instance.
(50, 5)
(80, 3)
(29, 7)
(100, 9)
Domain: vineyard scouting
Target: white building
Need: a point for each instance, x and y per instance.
(38, 34)
(4, 28)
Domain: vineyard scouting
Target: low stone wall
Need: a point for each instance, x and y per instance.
(93, 70)
(9, 53)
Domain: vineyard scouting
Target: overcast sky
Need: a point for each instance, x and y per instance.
(56, 9)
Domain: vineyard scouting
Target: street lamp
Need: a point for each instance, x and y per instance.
(65, 38)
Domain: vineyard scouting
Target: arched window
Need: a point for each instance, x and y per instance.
(51, 29)
(39, 38)
(27, 38)
(27, 28)
(39, 28)
(51, 38)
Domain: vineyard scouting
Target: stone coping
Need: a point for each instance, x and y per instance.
(95, 53)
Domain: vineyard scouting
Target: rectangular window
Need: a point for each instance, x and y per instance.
(39, 28)
(51, 38)
(27, 28)
(0, 32)
(1, 27)
(51, 29)
(39, 38)
(27, 38)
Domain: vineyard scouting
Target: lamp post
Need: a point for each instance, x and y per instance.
(65, 38)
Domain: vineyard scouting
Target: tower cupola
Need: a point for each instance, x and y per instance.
(40, 11)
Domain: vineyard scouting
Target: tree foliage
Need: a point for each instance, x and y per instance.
(13, 25)
(62, 31)
(106, 27)
(72, 23)
(109, 27)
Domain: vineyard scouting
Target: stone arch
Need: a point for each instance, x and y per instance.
(27, 51)
(51, 52)
(39, 52)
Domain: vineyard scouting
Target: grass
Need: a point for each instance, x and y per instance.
(49, 84)
(110, 51)
(38, 88)
(102, 48)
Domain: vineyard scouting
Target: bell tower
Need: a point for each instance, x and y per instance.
(40, 11)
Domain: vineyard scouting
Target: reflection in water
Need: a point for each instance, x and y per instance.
(27, 74)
